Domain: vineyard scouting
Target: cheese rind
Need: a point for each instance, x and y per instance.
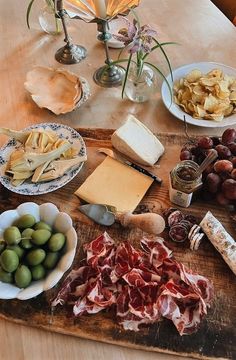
(136, 141)
(115, 184)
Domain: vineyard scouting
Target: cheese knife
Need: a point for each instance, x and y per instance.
(121, 159)
(107, 215)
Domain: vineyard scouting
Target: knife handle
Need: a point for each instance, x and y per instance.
(145, 172)
(149, 222)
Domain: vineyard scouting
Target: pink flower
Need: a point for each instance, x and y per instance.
(140, 38)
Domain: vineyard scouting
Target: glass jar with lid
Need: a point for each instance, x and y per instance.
(183, 182)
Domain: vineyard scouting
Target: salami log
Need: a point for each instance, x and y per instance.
(222, 241)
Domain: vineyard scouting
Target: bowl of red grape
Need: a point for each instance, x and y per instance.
(219, 179)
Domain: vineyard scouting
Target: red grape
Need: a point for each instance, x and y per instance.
(213, 182)
(223, 166)
(229, 136)
(219, 179)
(216, 140)
(232, 148)
(223, 151)
(185, 155)
(205, 142)
(233, 174)
(222, 200)
(229, 189)
(233, 161)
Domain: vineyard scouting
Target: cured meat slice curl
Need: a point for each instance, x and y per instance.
(140, 285)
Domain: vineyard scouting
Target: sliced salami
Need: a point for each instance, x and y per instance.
(196, 240)
(187, 224)
(178, 233)
(193, 231)
(167, 212)
(191, 218)
(175, 217)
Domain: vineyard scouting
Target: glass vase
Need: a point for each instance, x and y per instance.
(141, 83)
(47, 20)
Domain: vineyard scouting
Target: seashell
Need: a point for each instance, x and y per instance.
(88, 10)
(56, 89)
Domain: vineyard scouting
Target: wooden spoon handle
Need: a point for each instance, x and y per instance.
(149, 222)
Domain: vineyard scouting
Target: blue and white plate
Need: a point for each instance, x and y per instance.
(29, 188)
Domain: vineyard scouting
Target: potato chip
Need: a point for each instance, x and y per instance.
(232, 96)
(193, 76)
(210, 96)
(215, 73)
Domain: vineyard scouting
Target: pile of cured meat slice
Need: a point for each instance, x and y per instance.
(141, 286)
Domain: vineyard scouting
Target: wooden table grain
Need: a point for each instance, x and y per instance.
(203, 34)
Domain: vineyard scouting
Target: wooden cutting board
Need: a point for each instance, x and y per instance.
(216, 337)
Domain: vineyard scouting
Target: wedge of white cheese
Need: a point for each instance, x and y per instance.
(136, 141)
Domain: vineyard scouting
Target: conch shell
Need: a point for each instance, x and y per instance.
(55, 89)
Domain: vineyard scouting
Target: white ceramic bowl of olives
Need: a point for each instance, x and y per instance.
(37, 246)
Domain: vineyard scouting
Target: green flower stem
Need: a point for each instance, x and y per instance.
(28, 12)
(166, 57)
(126, 75)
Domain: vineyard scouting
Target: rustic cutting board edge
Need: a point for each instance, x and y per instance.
(61, 331)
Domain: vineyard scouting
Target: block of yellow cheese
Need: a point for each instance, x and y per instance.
(116, 184)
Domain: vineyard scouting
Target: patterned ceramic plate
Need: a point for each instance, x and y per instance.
(29, 188)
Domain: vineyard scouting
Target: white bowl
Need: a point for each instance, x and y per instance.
(61, 222)
(114, 26)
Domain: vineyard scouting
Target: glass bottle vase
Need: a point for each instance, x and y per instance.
(47, 20)
(141, 83)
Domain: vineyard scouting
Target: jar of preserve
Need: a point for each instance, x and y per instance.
(183, 182)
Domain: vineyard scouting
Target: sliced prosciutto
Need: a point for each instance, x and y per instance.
(141, 285)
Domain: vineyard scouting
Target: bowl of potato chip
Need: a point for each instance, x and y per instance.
(41, 158)
(203, 93)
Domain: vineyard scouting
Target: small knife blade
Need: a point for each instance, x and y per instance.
(120, 158)
(101, 214)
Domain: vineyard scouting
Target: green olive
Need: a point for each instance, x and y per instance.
(56, 242)
(23, 276)
(12, 235)
(18, 250)
(40, 237)
(51, 260)
(9, 260)
(27, 233)
(25, 221)
(35, 256)
(38, 272)
(26, 244)
(42, 225)
(6, 277)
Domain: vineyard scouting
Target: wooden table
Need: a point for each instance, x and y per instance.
(204, 34)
